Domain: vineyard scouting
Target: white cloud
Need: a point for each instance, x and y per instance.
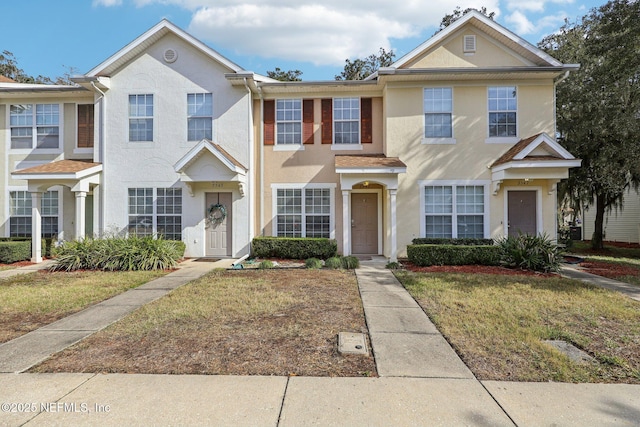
(520, 24)
(107, 3)
(321, 32)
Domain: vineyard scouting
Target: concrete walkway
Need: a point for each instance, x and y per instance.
(422, 382)
(577, 273)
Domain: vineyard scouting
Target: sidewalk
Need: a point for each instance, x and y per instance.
(422, 382)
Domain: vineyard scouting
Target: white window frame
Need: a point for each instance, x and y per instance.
(349, 145)
(280, 106)
(436, 140)
(12, 189)
(195, 116)
(34, 129)
(454, 214)
(154, 211)
(141, 117)
(502, 139)
(301, 186)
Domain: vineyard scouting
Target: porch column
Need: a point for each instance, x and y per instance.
(346, 224)
(394, 234)
(36, 227)
(81, 197)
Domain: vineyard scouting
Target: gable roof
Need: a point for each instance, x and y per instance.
(538, 147)
(147, 39)
(206, 146)
(4, 79)
(494, 30)
(71, 169)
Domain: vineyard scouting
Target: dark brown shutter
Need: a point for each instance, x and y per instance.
(269, 122)
(327, 121)
(366, 129)
(307, 121)
(85, 125)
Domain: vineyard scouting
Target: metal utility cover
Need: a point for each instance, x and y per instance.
(352, 343)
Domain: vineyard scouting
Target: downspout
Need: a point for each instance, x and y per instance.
(261, 130)
(251, 165)
(100, 159)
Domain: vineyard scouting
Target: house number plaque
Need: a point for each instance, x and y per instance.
(217, 184)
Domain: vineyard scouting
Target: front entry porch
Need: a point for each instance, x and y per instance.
(82, 177)
(369, 185)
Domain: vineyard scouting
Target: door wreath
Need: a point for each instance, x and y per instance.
(217, 214)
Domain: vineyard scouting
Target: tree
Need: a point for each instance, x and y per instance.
(458, 13)
(285, 76)
(598, 107)
(358, 69)
(9, 68)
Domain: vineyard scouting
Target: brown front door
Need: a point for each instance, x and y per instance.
(218, 235)
(521, 208)
(364, 223)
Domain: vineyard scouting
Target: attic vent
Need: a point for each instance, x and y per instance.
(469, 44)
(170, 55)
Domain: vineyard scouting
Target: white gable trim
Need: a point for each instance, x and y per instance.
(546, 139)
(202, 147)
(163, 26)
(474, 15)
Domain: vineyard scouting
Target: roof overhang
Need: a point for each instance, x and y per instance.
(474, 73)
(76, 174)
(378, 168)
(206, 146)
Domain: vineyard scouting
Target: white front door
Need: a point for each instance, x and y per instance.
(218, 232)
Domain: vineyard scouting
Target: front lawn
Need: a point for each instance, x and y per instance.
(498, 323)
(244, 322)
(30, 301)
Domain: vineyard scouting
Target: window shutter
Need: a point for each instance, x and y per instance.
(469, 44)
(327, 121)
(307, 121)
(85, 125)
(269, 122)
(366, 127)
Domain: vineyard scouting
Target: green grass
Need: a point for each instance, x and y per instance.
(498, 323)
(40, 298)
(584, 248)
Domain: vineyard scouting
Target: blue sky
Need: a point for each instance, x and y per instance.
(49, 36)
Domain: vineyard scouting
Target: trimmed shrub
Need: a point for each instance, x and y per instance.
(426, 255)
(48, 249)
(117, 254)
(448, 241)
(537, 253)
(313, 263)
(334, 263)
(293, 247)
(350, 262)
(266, 264)
(11, 252)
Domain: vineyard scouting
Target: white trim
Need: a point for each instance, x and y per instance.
(377, 191)
(439, 141)
(34, 137)
(505, 221)
(288, 147)
(503, 139)
(154, 127)
(454, 231)
(303, 186)
(546, 139)
(346, 147)
(196, 151)
(333, 123)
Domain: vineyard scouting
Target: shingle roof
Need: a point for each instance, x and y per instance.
(58, 167)
(367, 161)
(4, 79)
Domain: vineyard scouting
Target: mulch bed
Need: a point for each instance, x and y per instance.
(18, 264)
(473, 269)
(609, 269)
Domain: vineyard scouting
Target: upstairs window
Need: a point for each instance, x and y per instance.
(140, 118)
(438, 109)
(200, 116)
(35, 125)
(288, 121)
(503, 105)
(346, 120)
